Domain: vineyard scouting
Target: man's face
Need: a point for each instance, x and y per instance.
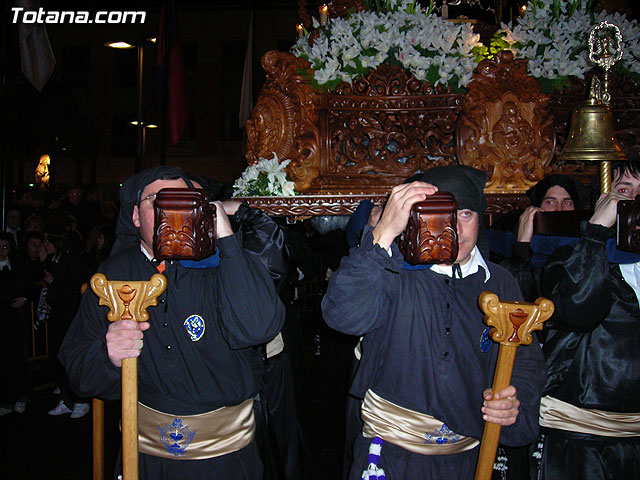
(13, 219)
(627, 184)
(557, 199)
(33, 248)
(467, 234)
(34, 224)
(143, 214)
(5, 248)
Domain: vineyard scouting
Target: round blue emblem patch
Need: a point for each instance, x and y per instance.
(485, 340)
(194, 325)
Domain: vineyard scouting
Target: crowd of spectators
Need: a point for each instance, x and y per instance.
(51, 245)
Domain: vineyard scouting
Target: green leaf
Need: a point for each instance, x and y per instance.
(369, 52)
(433, 75)
(551, 85)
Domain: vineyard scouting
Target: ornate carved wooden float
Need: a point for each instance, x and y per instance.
(362, 139)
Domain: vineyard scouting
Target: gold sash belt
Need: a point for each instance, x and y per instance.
(195, 437)
(560, 415)
(413, 431)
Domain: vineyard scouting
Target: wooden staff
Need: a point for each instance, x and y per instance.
(97, 408)
(129, 301)
(97, 414)
(512, 324)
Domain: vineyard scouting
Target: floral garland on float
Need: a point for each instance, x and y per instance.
(552, 35)
(399, 32)
(267, 177)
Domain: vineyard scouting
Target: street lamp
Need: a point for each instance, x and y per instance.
(122, 45)
(144, 133)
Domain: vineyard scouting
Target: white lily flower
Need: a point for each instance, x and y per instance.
(277, 182)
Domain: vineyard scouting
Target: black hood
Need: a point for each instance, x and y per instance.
(127, 233)
(574, 188)
(465, 183)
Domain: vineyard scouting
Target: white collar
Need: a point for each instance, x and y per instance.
(5, 263)
(631, 274)
(475, 261)
(146, 254)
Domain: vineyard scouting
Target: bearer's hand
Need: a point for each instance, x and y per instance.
(124, 340)
(606, 209)
(18, 302)
(223, 226)
(501, 408)
(231, 206)
(525, 223)
(396, 212)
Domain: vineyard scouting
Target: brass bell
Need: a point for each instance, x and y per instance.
(592, 134)
(592, 138)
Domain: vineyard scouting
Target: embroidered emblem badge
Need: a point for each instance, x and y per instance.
(194, 325)
(485, 340)
(441, 436)
(176, 437)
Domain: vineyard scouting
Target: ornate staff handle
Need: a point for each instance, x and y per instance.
(512, 324)
(129, 301)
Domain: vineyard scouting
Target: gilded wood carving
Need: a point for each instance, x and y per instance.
(513, 322)
(128, 300)
(505, 128)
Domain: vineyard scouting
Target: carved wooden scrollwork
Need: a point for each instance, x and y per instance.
(365, 137)
(505, 128)
(384, 127)
(431, 235)
(304, 205)
(285, 118)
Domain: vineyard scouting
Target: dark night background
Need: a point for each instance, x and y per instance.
(81, 116)
(81, 119)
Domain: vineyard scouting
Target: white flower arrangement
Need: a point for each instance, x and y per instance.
(553, 35)
(431, 48)
(267, 177)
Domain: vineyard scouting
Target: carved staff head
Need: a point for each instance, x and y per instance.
(128, 300)
(513, 322)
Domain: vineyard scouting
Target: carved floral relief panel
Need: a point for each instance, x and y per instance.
(505, 128)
